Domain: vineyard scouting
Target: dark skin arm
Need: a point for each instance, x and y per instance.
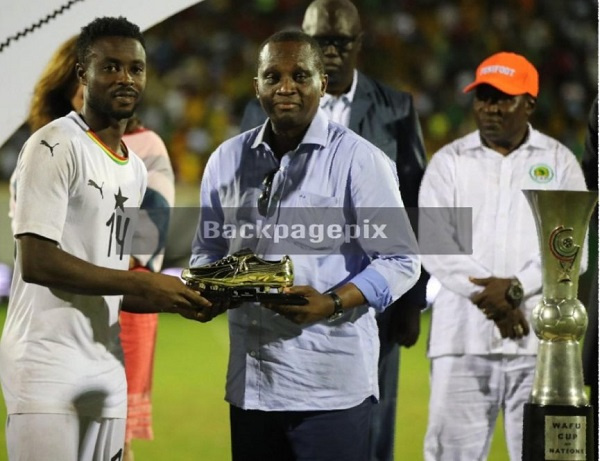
(320, 306)
(43, 263)
(405, 324)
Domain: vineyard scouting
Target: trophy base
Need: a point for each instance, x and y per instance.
(558, 433)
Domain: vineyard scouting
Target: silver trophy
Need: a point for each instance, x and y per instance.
(558, 420)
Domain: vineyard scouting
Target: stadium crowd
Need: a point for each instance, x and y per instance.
(202, 63)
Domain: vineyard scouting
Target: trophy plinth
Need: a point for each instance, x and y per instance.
(558, 422)
(558, 433)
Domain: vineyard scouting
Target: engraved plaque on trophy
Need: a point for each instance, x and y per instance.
(558, 420)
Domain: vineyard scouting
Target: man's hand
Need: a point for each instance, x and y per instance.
(203, 314)
(405, 324)
(319, 306)
(217, 307)
(492, 299)
(170, 294)
(513, 325)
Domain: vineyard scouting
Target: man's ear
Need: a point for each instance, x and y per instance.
(359, 42)
(531, 104)
(324, 80)
(256, 86)
(80, 72)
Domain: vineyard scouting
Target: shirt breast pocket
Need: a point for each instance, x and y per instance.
(247, 210)
(314, 222)
(240, 220)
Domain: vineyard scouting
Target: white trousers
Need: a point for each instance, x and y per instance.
(45, 437)
(467, 394)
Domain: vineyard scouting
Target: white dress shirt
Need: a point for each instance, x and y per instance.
(337, 108)
(465, 173)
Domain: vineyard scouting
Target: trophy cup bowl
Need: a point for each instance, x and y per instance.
(558, 420)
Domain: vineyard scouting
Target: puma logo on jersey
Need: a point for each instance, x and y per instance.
(44, 143)
(92, 183)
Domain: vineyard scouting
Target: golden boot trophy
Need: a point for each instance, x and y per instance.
(244, 277)
(558, 422)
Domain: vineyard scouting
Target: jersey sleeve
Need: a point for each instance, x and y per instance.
(44, 176)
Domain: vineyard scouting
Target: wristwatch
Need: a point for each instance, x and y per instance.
(338, 310)
(514, 293)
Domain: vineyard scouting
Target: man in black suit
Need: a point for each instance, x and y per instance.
(386, 118)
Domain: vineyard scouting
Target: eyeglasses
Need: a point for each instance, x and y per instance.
(340, 43)
(263, 199)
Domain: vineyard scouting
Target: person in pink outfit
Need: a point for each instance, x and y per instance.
(138, 331)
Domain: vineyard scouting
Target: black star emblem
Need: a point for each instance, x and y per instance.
(120, 200)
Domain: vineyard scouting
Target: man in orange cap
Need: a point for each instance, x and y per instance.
(481, 350)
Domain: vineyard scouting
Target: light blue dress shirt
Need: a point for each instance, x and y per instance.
(333, 176)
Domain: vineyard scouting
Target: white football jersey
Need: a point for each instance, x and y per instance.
(59, 351)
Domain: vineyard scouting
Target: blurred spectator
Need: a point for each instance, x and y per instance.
(204, 61)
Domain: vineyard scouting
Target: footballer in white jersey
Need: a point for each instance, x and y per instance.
(74, 190)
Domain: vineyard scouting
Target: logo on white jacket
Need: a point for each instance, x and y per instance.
(541, 173)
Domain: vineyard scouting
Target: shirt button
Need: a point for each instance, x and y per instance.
(254, 322)
(252, 353)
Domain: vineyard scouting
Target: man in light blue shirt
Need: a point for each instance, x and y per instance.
(302, 379)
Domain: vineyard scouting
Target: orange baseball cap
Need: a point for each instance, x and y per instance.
(510, 73)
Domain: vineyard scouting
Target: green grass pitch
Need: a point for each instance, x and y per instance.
(191, 417)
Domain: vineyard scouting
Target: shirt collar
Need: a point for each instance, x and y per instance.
(534, 140)
(78, 120)
(316, 133)
(347, 97)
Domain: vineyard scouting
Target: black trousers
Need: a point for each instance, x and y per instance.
(338, 435)
(383, 419)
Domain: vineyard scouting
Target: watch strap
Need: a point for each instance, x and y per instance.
(338, 309)
(514, 293)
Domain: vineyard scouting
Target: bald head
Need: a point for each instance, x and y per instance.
(335, 25)
(340, 16)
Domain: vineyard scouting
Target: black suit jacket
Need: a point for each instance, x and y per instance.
(387, 118)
